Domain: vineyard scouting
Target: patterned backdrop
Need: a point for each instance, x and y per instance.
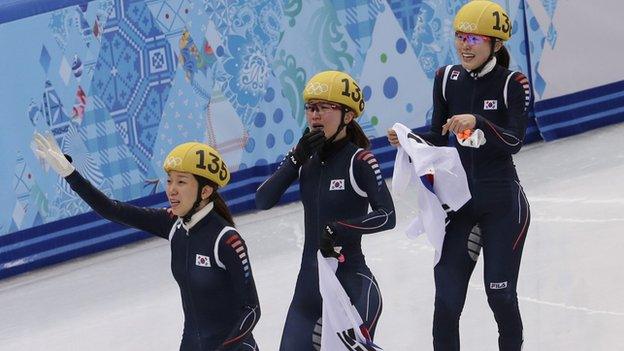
(119, 83)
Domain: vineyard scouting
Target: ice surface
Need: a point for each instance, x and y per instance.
(570, 289)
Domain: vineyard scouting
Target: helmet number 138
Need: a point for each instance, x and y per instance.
(355, 95)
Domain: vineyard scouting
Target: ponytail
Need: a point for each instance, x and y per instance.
(221, 207)
(357, 135)
(219, 204)
(502, 57)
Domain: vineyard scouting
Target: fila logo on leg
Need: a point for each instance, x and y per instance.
(336, 184)
(202, 261)
(490, 104)
(498, 286)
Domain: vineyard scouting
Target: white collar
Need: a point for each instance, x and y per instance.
(487, 68)
(197, 216)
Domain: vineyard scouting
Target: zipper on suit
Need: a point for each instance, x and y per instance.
(188, 287)
(318, 200)
(472, 101)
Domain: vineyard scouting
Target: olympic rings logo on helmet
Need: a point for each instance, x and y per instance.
(466, 27)
(316, 88)
(172, 162)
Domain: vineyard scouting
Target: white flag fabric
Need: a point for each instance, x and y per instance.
(341, 320)
(475, 140)
(415, 158)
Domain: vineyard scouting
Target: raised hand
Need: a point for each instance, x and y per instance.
(392, 137)
(47, 148)
(309, 143)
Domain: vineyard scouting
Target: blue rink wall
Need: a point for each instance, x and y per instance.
(119, 83)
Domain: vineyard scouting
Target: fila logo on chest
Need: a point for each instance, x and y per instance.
(202, 261)
(337, 184)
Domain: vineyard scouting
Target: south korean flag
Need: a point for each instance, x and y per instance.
(490, 104)
(341, 320)
(350, 342)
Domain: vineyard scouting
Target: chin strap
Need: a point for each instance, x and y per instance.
(341, 126)
(201, 183)
(486, 66)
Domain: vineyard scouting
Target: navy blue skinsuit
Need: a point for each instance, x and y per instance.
(210, 263)
(497, 217)
(331, 193)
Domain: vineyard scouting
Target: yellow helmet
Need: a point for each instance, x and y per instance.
(485, 18)
(335, 86)
(199, 159)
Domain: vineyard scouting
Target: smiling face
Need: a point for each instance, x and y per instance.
(325, 115)
(182, 192)
(473, 49)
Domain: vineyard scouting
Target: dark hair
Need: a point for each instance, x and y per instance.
(357, 135)
(502, 57)
(219, 204)
(221, 207)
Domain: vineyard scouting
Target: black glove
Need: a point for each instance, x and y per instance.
(309, 143)
(327, 242)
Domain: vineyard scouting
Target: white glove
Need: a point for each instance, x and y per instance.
(47, 148)
(476, 139)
